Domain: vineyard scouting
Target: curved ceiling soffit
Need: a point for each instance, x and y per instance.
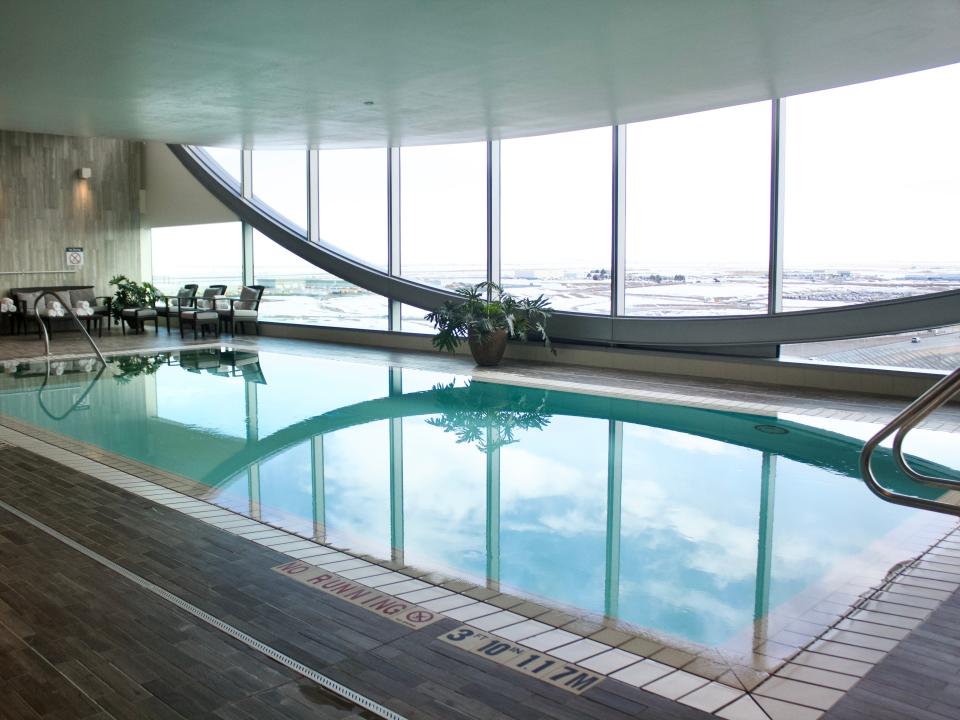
(828, 450)
(732, 331)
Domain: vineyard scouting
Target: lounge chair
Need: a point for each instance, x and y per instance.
(204, 313)
(173, 304)
(243, 309)
(136, 317)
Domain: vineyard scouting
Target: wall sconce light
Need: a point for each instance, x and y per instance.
(84, 173)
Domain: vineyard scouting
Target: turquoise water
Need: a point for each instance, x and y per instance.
(648, 513)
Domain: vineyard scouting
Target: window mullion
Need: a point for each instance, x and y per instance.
(775, 272)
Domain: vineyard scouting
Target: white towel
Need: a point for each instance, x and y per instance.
(56, 310)
(10, 366)
(86, 364)
(223, 304)
(7, 305)
(57, 368)
(83, 308)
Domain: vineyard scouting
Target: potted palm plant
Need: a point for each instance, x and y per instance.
(131, 294)
(486, 317)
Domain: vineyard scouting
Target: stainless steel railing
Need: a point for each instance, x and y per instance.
(77, 403)
(903, 423)
(66, 306)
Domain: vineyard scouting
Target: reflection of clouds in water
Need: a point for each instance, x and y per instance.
(689, 514)
(568, 498)
(678, 440)
(726, 551)
(660, 516)
(292, 468)
(441, 477)
(445, 498)
(723, 549)
(680, 597)
(554, 480)
(286, 488)
(531, 476)
(641, 501)
(575, 521)
(357, 483)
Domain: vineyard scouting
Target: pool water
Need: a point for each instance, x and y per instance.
(690, 523)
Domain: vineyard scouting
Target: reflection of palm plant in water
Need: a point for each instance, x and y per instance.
(468, 413)
(136, 365)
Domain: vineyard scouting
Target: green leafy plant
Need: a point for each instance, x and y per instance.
(475, 317)
(131, 294)
(488, 415)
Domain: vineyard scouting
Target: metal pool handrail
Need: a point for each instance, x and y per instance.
(76, 403)
(905, 421)
(66, 306)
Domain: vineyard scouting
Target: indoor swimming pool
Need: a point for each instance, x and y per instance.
(687, 524)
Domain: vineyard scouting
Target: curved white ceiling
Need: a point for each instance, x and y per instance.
(299, 72)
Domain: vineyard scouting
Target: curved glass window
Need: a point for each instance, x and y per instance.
(872, 181)
(280, 182)
(698, 213)
(870, 178)
(209, 254)
(228, 159)
(443, 214)
(443, 219)
(555, 226)
(299, 292)
(353, 203)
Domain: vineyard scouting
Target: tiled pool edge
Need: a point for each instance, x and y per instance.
(803, 686)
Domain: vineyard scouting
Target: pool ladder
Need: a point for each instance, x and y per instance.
(937, 396)
(66, 306)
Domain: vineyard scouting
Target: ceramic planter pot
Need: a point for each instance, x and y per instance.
(489, 352)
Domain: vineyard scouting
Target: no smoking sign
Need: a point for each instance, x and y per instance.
(74, 257)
